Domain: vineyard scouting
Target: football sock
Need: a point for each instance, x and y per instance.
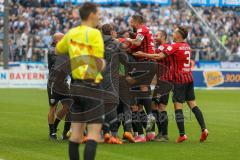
(67, 126)
(56, 122)
(159, 123)
(51, 128)
(199, 116)
(143, 118)
(73, 150)
(147, 103)
(164, 121)
(180, 121)
(90, 150)
(155, 114)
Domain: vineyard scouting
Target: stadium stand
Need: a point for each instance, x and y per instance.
(32, 23)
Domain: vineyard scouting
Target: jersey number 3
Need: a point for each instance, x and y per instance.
(188, 54)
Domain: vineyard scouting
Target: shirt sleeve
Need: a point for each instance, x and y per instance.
(62, 46)
(170, 49)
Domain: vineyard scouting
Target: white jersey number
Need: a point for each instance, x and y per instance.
(188, 54)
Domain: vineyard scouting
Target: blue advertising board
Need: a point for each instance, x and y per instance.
(163, 2)
(217, 78)
(215, 2)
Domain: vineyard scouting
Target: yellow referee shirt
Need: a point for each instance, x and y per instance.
(79, 41)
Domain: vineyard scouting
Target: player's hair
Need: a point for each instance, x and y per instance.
(138, 18)
(107, 29)
(164, 33)
(183, 31)
(86, 9)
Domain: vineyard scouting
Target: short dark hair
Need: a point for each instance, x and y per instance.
(183, 31)
(164, 33)
(138, 18)
(107, 29)
(86, 9)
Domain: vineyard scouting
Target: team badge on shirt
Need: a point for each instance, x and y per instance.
(169, 48)
(140, 37)
(161, 48)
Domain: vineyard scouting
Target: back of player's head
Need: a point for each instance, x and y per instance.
(183, 31)
(107, 29)
(138, 18)
(86, 9)
(164, 33)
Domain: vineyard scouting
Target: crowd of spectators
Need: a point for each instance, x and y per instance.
(31, 26)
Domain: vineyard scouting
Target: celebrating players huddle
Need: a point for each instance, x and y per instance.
(137, 46)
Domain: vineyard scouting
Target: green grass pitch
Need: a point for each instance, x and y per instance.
(24, 131)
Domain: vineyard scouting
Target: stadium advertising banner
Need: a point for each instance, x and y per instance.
(215, 2)
(23, 79)
(164, 2)
(217, 78)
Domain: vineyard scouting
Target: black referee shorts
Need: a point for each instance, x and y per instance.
(83, 106)
(183, 93)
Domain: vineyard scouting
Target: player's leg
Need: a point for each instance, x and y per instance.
(179, 97)
(51, 117)
(190, 97)
(75, 139)
(94, 136)
(51, 114)
(141, 120)
(147, 103)
(60, 115)
(127, 122)
(163, 118)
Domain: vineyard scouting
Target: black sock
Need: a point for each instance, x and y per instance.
(134, 121)
(164, 121)
(147, 103)
(51, 128)
(199, 116)
(105, 128)
(180, 121)
(155, 114)
(90, 150)
(56, 122)
(67, 126)
(143, 118)
(139, 124)
(73, 150)
(139, 128)
(159, 123)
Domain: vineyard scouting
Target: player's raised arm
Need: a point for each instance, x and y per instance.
(155, 56)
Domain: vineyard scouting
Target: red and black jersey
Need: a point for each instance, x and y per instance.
(165, 69)
(145, 36)
(181, 66)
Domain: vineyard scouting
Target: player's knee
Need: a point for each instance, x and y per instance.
(191, 104)
(178, 106)
(162, 107)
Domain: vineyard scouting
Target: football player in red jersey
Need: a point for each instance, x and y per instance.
(143, 41)
(161, 102)
(183, 81)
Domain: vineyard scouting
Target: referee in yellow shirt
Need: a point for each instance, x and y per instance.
(80, 41)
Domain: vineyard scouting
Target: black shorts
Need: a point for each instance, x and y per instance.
(161, 100)
(85, 107)
(54, 98)
(183, 92)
